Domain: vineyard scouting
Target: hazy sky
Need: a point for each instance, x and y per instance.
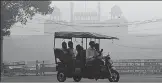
(132, 10)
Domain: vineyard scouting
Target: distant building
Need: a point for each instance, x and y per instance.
(83, 17)
(56, 14)
(117, 23)
(115, 12)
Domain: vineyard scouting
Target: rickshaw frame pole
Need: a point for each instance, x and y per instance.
(86, 43)
(54, 49)
(54, 43)
(99, 43)
(82, 42)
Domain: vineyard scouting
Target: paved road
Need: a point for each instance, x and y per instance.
(124, 78)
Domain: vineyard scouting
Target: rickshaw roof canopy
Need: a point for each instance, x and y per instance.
(69, 35)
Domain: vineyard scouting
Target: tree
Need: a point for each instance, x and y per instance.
(21, 11)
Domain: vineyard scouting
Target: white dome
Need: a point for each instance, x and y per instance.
(116, 10)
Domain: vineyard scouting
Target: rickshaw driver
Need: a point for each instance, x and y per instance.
(91, 52)
(100, 54)
(98, 61)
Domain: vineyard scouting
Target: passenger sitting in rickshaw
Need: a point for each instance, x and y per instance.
(79, 56)
(72, 51)
(79, 51)
(64, 47)
(72, 54)
(63, 53)
(66, 57)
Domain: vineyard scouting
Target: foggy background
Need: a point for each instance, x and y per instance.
(30, 42)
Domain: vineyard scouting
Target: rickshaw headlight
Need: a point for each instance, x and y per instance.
(110, 61)
(10, 68)
(113, 68)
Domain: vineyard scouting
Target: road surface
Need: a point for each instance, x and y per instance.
(52, 78)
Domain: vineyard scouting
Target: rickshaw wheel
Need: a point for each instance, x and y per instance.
(115, 76)
(61, 76)
(77, 78)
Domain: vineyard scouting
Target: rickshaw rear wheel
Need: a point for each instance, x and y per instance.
(77, 78)
(61, 76)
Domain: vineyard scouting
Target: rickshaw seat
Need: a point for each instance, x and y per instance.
(77, 63)
(80, 60)
(57, 52)
(60, 55)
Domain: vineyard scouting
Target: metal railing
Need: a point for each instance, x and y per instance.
(123, 67)
(152, 66)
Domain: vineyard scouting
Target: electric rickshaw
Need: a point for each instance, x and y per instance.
(80, 69)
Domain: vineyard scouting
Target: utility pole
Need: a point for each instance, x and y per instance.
(72, 11)
(85, 6)
(1, 54)
(99, 10)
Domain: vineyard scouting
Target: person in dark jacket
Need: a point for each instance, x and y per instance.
(64, 47)
(65, 56)
(98, 60)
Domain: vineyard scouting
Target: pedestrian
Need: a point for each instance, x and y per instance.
(37, 68)
(43, 69)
